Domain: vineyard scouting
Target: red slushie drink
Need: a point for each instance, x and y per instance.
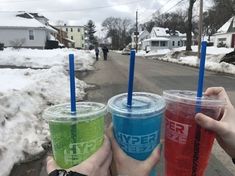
(187, 146)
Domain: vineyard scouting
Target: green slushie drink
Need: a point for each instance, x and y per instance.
(75, 137)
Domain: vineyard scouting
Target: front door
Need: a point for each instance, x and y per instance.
(233, 41)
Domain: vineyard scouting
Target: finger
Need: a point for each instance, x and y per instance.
(217, 91)
(220, 92)
(109, 173)
(102, 154)
(51, 164)
(106, 164)
(210, 124)
(214, 90)
(117, 151)
(154, 158)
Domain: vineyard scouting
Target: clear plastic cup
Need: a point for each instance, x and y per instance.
(187, 146)
(137, 129)
(75, 137)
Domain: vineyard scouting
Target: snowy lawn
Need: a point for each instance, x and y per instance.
(25, 93)
(214, 55)
(35, 58)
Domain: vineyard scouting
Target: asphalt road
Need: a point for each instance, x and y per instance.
(110, 78)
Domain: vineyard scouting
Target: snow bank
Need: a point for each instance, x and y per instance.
(212, 62)
(35, 58)
(177, 55)
(25, 93)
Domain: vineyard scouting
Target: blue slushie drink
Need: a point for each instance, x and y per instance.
(137, 129)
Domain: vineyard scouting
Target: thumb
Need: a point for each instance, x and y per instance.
(117, 151)
(209, 123)
(154, 158)
(51, 164)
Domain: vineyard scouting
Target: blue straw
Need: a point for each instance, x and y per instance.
(202, 69)
(131, 78)
(72, 84)
(197, 139)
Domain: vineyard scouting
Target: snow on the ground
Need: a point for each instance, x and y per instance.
(35, 58)
(159, 52)
(214, 55)
(209, 50)
(25, 93)
(141, 53)
(118, 51)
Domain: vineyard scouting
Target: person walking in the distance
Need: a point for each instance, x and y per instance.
(97, 53)
(105, 52)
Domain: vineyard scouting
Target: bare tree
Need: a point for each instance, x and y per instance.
(173, 21)
(190, 25)
(17, 43)
(118, 29)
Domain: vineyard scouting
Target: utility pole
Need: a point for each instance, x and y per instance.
(136, 32)
(200, 28)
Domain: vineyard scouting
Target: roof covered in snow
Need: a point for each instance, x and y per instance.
(10, 19)
(166, 32)
(225, 28)
(159, 31)
(20, 20)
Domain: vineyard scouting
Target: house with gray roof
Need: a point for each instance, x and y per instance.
(225, 36)
(164, 38)
(21, 29)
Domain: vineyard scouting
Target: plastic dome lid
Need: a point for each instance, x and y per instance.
(84, 111)
(143, 105)
(190, 97)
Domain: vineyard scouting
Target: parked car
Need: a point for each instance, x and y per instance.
(126, 51)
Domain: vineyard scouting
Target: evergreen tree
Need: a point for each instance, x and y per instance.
(90, 31)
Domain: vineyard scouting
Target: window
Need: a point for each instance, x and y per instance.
(82, 37)
(222, 39)
(82, 45)
(173, 43)
(31, 36)
(178, 43)
(71, 29)
(155, 43)
(71, 37)
(78, 29)
(66, 29)
(163, 43)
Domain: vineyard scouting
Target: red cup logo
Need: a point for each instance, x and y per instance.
(177, 132)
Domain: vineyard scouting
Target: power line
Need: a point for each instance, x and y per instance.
(174, 6)
(90, 8)
(168, 9)
(163, 5)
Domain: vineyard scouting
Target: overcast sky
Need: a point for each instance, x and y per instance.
(78, 12)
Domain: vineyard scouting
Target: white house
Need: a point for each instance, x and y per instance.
(225, 36)
(141, 37)
(20, 29)
(163, 38)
